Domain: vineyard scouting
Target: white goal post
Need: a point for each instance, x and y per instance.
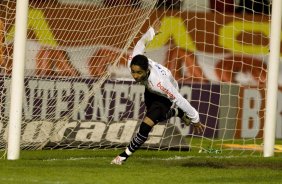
(74, 90)
(272, 82)
(17, 84)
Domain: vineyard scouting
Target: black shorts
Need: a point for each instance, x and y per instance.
(157, 106)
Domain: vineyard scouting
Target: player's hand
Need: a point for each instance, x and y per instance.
(198, 127)
(156, 26)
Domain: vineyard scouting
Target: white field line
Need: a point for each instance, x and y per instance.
(146, 158)
(19, 180)
(76, 158)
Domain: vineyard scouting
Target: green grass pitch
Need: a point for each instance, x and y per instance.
(159, 167)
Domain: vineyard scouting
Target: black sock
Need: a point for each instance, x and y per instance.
(175, 112)
(140, 137)
(123, 154)
(171, 113)
(180, 113)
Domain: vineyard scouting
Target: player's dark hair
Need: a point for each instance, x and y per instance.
(141, 61)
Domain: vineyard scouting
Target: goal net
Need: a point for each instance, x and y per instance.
(79, 93)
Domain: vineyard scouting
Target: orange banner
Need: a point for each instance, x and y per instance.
(200, 47)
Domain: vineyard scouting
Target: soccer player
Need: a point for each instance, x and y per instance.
(161, 95)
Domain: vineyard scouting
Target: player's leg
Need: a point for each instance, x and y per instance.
(156, 112)
(153, 115)
(141, 137)
(157, 107)
(175, 112)
(136, 142)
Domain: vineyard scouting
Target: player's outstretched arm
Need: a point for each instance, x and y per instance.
(141, 44)
(145, 39)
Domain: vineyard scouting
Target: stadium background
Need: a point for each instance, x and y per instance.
(206, 51)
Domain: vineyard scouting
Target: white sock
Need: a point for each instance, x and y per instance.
(128, 152)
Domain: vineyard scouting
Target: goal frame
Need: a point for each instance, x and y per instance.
(17, 81)
(272, 79)
(17, 85)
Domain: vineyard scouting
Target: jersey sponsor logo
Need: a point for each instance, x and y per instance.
(166, 91)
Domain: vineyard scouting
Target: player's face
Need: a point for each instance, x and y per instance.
(138, 73)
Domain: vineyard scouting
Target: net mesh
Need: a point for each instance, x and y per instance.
(79, 92)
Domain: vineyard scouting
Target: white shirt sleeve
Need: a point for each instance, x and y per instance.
(183, 104)
(141, 44)
(173, 94)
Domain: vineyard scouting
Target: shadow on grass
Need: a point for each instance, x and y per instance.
(221, 164)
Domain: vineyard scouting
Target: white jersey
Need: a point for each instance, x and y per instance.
(161, 81)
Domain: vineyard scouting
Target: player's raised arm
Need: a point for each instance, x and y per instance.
(145, 39)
